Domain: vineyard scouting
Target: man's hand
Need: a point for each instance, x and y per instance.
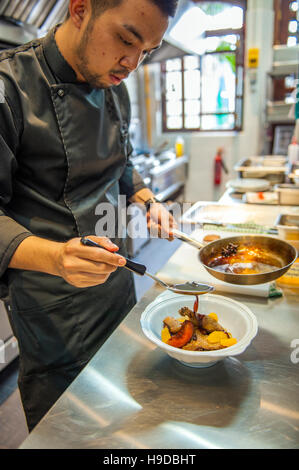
(160, 221)
(85, 266)
(79, 265)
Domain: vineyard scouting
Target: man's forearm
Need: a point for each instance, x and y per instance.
(36, 254)
(77, 264)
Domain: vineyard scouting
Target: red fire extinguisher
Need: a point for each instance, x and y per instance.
(218, 166)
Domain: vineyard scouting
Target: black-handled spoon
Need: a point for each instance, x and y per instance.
(189, 288)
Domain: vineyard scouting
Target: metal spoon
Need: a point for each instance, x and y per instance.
(189, 288)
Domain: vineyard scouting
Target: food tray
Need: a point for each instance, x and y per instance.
(288, 228)
(204, 212)
(270, 167)
(288, 194)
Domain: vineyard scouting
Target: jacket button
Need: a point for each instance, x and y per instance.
(61, 93)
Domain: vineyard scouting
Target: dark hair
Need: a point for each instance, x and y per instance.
(167, 7)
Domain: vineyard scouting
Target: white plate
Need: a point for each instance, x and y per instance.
(244, 185)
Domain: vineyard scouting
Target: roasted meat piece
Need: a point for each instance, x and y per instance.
(173, 324)
(209, 324)
(201, 321)
(192, 316)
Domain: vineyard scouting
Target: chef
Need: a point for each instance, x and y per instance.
(64, 150)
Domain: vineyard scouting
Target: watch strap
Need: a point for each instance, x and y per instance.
(150, 201)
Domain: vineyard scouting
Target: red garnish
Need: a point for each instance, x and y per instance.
(183, 336)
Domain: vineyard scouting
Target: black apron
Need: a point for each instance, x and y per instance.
(60, 327)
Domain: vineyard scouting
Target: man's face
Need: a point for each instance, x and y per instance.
(114, 44)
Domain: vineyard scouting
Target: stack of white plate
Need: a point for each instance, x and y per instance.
(244, 185)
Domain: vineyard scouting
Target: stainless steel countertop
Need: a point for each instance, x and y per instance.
(133, 396)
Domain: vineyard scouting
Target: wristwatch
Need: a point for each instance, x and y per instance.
(150, 201)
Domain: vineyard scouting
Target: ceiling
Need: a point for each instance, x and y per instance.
(41, 14)
(38, 16)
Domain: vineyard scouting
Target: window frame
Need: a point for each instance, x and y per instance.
(240, 62)
(283, 16)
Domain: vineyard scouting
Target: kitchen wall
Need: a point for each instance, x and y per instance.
(201, 147)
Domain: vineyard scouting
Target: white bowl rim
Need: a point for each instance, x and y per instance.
(229, 351)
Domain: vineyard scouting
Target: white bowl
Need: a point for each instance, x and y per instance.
(233, 316)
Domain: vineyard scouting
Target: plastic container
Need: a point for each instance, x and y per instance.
(179, 147)
(291, 278)
(288, 228)
(288, 194)
(293, 151)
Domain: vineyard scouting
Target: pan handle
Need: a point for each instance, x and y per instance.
(185, 238)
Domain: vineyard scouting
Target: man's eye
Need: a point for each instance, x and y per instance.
(127, 43)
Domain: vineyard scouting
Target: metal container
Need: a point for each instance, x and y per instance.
(288, 194)
(270, 167)
(288, 228)
(294, 175)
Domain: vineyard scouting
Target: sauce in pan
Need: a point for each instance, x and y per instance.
(245, 260)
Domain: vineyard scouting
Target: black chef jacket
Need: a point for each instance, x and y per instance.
(64, 149)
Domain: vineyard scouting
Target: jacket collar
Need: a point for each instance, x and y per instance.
(57, 63)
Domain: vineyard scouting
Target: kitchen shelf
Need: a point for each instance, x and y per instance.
(173, 189)
(282, 69)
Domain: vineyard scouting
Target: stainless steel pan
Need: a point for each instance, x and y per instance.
(282, 253)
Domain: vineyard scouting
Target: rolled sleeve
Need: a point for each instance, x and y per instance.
(131, 181)
(11, 232)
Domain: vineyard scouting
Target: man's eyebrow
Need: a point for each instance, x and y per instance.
(133, 30)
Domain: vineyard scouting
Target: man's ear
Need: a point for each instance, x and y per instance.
(78, 9)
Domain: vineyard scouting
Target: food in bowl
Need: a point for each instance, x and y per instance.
(195, 332)
(235, 316)
(244, 260)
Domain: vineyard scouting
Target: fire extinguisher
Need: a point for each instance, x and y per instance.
(218, 166)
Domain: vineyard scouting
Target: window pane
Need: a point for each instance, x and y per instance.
(218, 83)
(174, 108)
(240, 81)
(192, 122)
(239, 106)
(219, 43)
(224, 122)
(192, 84)
(173, 64)
(222, 16)
(293, 6)
(174, 85)
(191, 62)
(192, 107)
(290, 81)
(292, 41)
(293, 26)
(174, 122)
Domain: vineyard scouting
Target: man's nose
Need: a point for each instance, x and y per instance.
(132, 61)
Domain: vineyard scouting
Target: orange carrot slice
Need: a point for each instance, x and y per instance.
(183, 336)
